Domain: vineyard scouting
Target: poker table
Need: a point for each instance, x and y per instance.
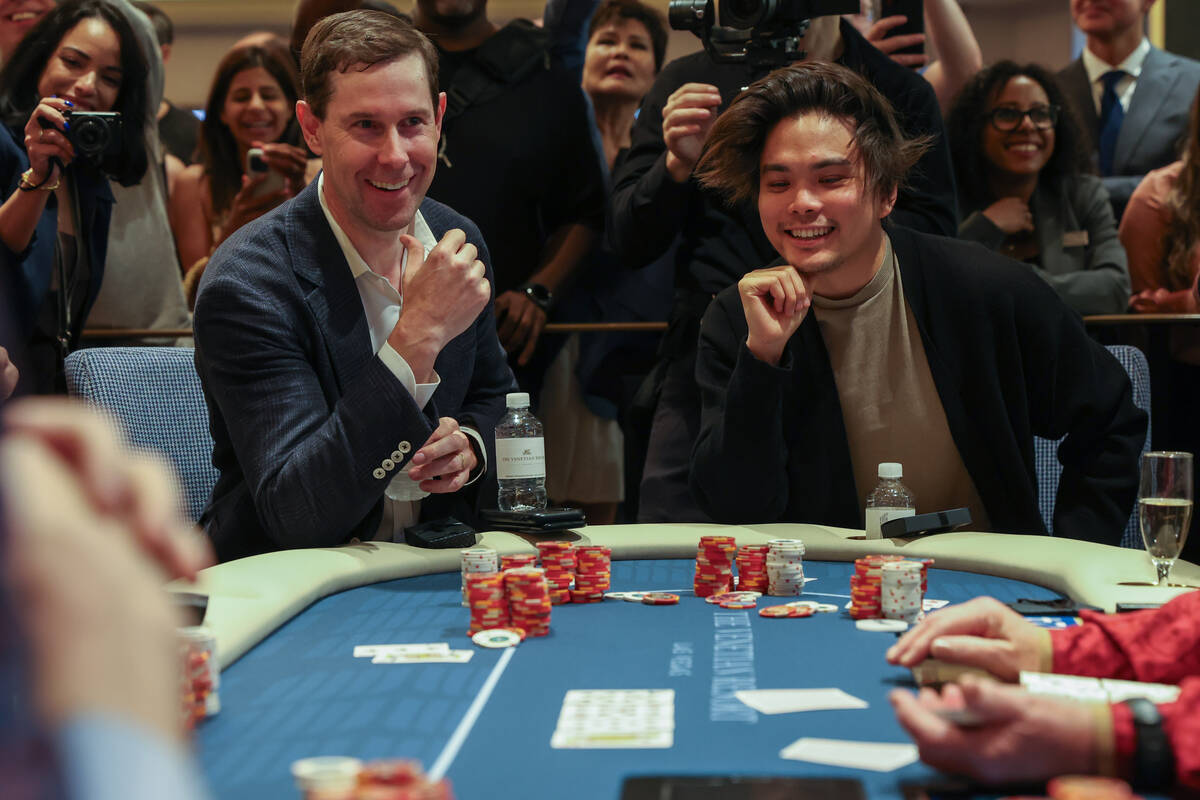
(286, 624)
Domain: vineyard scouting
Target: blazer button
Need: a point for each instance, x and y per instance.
(404, 447)
(397, 456)
(379, 474)
(388, 464)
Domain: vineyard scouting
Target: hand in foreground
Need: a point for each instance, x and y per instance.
(8, 375)
(1015, 736)
(981, 633)
(288, 160)
(88, 555)
(45, 143)
(443, 294)
(1164, 301)
(1011, 215)
(688, 116)
(775, 301)
(519, 323)
(134, 490)
(248, 206)
(880, 36)
(444, 463)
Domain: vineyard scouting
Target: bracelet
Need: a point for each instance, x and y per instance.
(26, 184)
(538, 294)
(1153, 761)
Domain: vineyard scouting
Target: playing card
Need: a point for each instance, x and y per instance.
(372, 650)
(875, 756)
(450, 657)
(611, 719)
(786, 701)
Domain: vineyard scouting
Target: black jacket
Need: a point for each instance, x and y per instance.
(1009, 360)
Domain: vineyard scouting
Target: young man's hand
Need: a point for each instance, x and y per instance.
(775, 301)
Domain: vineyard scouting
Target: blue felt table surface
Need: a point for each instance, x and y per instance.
(302, 693)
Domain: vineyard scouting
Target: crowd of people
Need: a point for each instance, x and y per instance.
(374, 223)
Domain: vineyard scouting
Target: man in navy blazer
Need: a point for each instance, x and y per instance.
(346, 341)
(1155, 92)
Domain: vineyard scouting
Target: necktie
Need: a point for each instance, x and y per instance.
(1111, 117)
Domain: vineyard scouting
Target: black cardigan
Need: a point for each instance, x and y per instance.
(1009, 360)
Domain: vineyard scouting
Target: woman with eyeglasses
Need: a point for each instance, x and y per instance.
(1023, 188)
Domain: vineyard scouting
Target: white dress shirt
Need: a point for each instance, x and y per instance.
(1096, 67)
(382, 305)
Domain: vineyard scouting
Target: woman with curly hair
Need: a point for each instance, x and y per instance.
(251, 104)
(1161, 232)
(1023, 191)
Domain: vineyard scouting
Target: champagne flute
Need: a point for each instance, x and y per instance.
(1165, 507)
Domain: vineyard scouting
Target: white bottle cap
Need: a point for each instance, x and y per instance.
(517, 399)
(888, 469)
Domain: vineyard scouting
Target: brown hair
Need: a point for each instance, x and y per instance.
(1183, 203)
(617, 10)
(729, 164)
(359, 39)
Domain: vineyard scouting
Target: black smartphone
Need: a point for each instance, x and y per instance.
(549, 519)
(915, 11)
(922, 524)
(747, 787)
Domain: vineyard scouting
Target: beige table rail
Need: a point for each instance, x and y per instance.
(103, 334)
(251, 597)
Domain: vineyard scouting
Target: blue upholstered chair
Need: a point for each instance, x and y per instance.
(154, 394)
(1045, 452)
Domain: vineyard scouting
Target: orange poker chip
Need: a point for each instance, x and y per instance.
(789, 612)
(1089, 787)
(660, 599)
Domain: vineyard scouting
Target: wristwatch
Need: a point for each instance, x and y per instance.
(1153, 761)
(541, 297)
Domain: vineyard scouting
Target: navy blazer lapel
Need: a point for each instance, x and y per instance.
(328, 286)
(1153, 90)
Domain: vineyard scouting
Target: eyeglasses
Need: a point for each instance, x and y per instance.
(1009, 119)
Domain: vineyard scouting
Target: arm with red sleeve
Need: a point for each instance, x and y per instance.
(1159, 646)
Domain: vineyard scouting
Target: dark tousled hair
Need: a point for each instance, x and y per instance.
(164, 29)
(217, 149)
(359, 39)
(20, 76)
(966, 121)
(729, 164)
(617, 10)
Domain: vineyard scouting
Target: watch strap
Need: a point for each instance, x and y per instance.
(1153, 760)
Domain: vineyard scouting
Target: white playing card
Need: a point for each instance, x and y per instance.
(786, 701)
(372, 650)
(875, 756)
(611, 719)
(451, 657)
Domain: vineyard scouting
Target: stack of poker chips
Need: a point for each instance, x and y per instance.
(865, 601)
(528, 600)
(593, 573)
(476, 559)
(785, 567)
(558, 562)
(488, 602)
(752, 568)
(714, 565)
(900, 590)
(201, 674)
(517, 561)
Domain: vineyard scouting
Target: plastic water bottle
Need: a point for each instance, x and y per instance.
(520, 457)
(890, 500)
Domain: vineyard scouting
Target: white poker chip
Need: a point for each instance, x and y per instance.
(826, 608)
(628, 597)
(326, 773)
(496, 638)
(882, 625)
(813, 604)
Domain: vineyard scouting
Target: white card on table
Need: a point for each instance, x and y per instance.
(786, 701)
(451, 657)
(616, 719)
(875, 756)
(372, 650)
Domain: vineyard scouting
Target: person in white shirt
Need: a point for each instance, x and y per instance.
(1131, 97)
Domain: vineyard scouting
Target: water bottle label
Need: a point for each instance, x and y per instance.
(877, 516)
(520, 458)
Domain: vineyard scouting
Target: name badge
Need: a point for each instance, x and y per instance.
(1075, 239)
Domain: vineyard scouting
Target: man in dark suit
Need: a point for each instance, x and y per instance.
(865, 344)
(346, 341)
(1132, 98)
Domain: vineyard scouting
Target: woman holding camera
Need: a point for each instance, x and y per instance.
(251, 105)
(1023, 190)
(82, 57)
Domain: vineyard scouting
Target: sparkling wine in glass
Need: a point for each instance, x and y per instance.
(1165, 507)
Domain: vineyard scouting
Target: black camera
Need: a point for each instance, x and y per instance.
(95, 135)
(764, 34)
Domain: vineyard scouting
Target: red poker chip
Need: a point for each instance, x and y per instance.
(785, 612)
(660, 599)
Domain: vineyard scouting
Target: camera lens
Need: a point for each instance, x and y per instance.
(91, 136)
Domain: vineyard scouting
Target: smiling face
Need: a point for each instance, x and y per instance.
(16, 18)
(256, 108)
(619, 62)
(379, 140)
(1026, 149)
(816, 205)
(85, 68)
(1107, 18)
